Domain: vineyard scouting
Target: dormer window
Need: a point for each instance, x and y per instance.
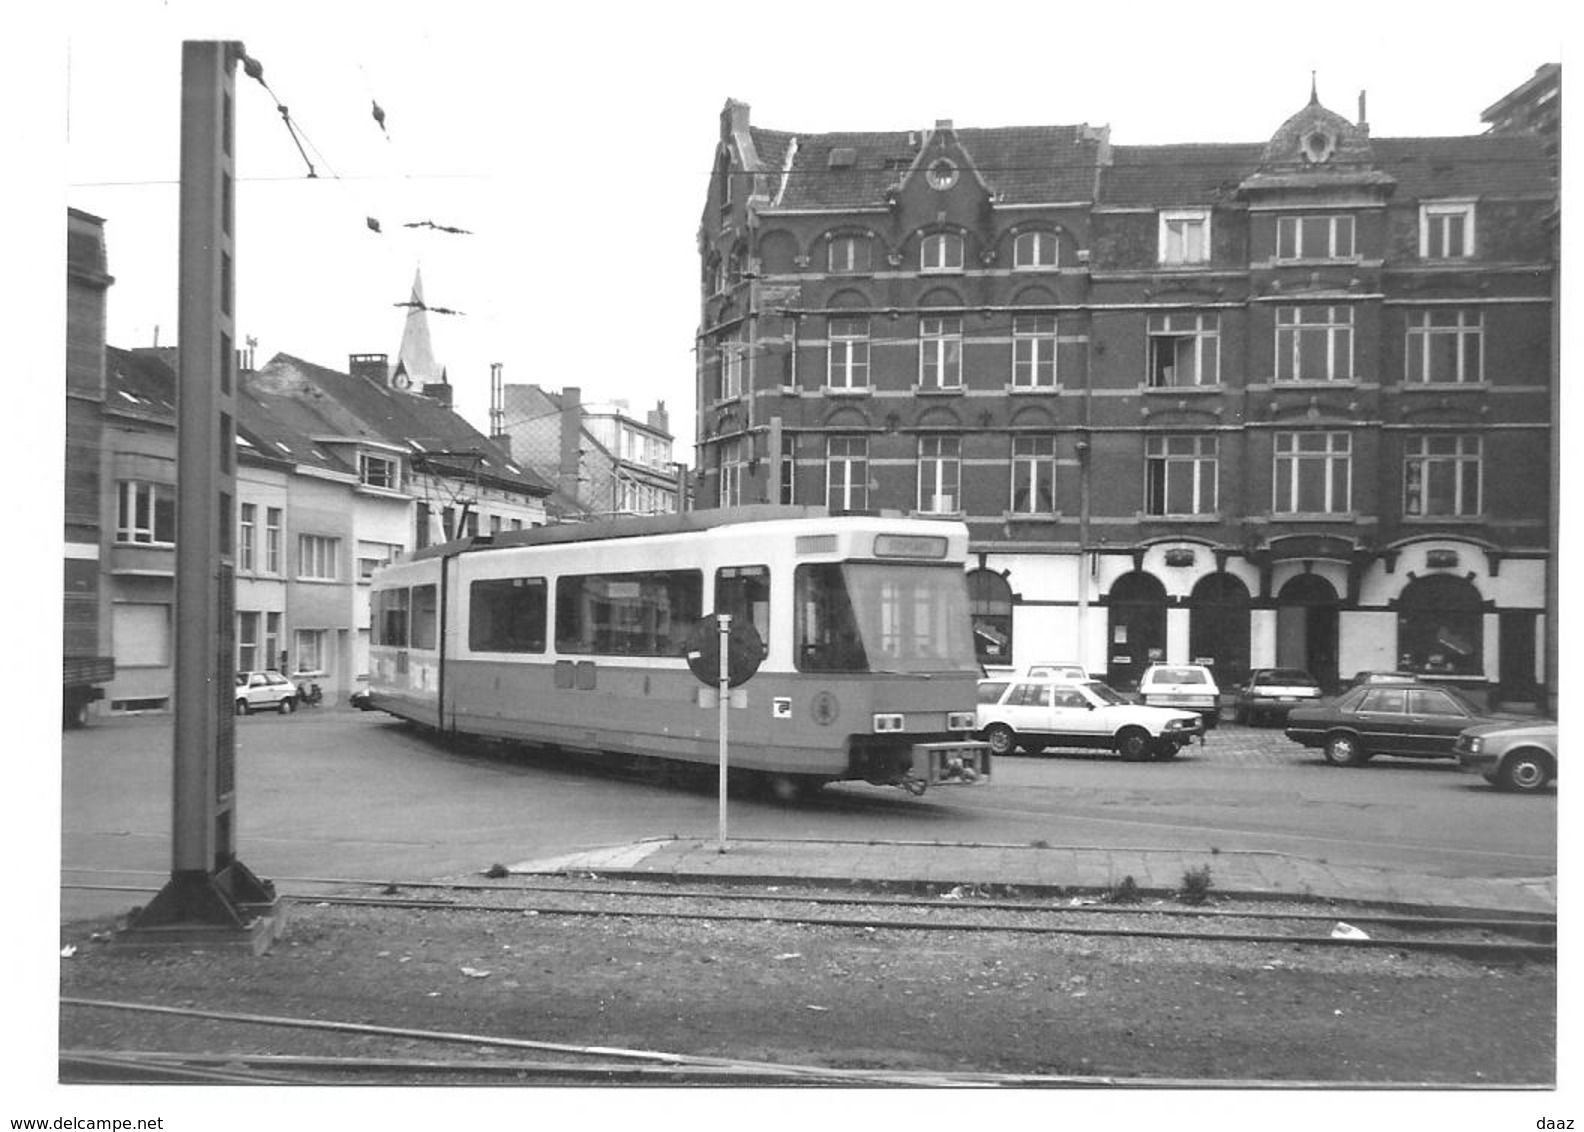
(941, 251)
(1185, 236)
(1314, 237)
(1446, 229)
(379, 471)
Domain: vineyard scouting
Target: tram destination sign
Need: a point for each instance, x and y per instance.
(910, 546)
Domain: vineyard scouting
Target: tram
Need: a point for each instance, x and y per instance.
(574, 637)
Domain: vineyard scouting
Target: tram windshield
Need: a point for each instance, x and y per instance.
(883, 617)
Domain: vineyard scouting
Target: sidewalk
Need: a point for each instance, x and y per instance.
(1051, 869)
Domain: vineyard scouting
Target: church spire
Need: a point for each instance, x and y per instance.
(415, 360)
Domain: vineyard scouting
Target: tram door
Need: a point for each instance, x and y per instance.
(1306, 628)
(1135, 628)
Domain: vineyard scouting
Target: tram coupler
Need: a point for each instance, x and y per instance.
(961, 763)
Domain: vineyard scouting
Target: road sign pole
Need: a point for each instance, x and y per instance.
(724, 627)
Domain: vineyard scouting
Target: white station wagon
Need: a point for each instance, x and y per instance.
(1046, 712)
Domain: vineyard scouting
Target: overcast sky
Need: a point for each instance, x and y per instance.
(575, 145)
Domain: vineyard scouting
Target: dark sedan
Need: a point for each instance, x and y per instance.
(1416, 720)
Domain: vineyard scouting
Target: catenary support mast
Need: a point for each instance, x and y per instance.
(210, 891)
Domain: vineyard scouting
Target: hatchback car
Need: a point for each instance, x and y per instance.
(1416, 720)
(256, 691)
(1270, 693)
(1048, 712)
(1190, 687)
(1513, 756)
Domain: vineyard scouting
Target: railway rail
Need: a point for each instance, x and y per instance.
(1116, 914)
(290, 1049)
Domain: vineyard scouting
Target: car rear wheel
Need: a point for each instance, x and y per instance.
(1524, 771)
(1342, 749)
(288, 705)
(1001, 738)
(1133, 744)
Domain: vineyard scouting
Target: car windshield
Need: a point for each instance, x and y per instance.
(1105, 693)
(874, 617)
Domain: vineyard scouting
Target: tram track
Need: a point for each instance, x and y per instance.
(560, 981)
(1115, 915)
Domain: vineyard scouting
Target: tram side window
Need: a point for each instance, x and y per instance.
(424, 609)
(390, 617)
(645, 613)
(744, 592)
(827, 634)
(507, 615)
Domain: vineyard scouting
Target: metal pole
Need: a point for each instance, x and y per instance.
(724, 697)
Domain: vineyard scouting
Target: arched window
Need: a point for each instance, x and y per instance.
(941, 251)
(851, 253)
(1032, 251)
(990, 606)
(1440, 627)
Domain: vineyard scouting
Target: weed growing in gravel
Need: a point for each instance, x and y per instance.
(1195, 886)
(1126, 892)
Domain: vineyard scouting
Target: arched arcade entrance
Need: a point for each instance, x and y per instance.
(1218, 627)
(1307, 628)
(1135, 628)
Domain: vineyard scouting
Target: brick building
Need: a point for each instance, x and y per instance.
(603, 460)
(1284, 402)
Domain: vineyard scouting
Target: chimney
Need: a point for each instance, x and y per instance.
(370, 367)
(571, 439)
(659, 418)
(1363, 122)
(734, 118)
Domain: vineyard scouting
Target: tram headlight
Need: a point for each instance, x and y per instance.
(961, 721)
(889, 721)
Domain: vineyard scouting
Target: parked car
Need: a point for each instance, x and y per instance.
(1064, 669)
(1033, 714)
(1513, 756)
(1371, 676)
(1416, 720)
(1186, 686)
(991, 687)
(258, 690)
(1270, 693)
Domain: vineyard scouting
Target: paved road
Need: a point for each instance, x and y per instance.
(336, 793)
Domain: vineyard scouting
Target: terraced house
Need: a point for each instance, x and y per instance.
(1278, 403)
